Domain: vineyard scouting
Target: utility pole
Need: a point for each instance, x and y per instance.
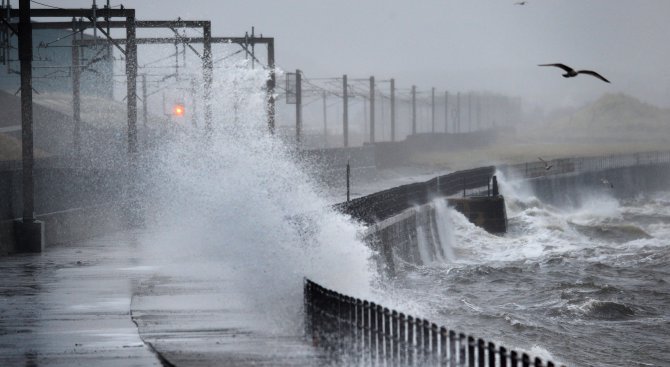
(194, 102)
(469, 112)
(270, 86)
(479, 112)
(432, 107)
(207, 73)
(348, 180)
(345, 111)
(392, 109)
(458, 112)
(298, 105)
(30, 232)
(372, 110)
(131, 75)
(381, 117)
(145, 111)
(413, 110)
(325, 121)
(76, 97)
(446, 111)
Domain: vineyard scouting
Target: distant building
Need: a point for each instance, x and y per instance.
(52, 60)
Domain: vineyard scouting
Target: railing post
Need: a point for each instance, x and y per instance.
(373, 330)
(452, 348)
(380, 331)
(503, 357)
(443, 346)
(352, 321)
(471, 351)
(525, 360)
(492, 354)
(402, 337)
(360, 326)
(418, 334)
(538, 362)
(481, 357)
(461, 349)
(410, 339)
(514, 359)
(426, 337)
(394, 332)
(366, 327)
(434, 335)
(387, 334)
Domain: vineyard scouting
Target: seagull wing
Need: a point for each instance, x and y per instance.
(562, 66)
(590, 72)
(541, 160)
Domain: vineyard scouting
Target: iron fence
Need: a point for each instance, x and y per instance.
(370, 334)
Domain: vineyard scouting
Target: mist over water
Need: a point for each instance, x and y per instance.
(579, 284)
(235, 206)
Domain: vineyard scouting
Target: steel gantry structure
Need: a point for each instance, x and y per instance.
(207, 40)
(102, 20)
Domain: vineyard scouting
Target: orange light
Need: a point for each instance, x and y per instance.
(178, 110)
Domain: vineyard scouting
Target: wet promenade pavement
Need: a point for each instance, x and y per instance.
(100, 302)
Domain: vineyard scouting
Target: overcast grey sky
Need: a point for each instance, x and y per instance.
(491, 45)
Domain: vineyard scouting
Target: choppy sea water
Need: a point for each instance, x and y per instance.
(582, 286)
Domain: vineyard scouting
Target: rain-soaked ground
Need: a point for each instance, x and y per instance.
(92, 303)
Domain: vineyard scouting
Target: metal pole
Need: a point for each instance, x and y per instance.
(458, 112)
(325, 121)
(470, 112)
(194, 107)
(479, 112)
(348, 180)
(372, 110)
(298, 105)
(432, 108)
(271, 86)
(207, 73)
(392, 109)
(26, 57)
(413, 110)
(145, 113)
(446, 112)
(345, 111)
(76, 97)
(131, 75)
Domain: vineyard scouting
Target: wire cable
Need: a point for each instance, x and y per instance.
(43, 4)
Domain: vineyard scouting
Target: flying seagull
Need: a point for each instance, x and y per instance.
(570, 72)
(547, 166)
(520, 3)
(606, 182)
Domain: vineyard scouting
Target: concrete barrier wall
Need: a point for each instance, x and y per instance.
(409, 237)
(627, 182)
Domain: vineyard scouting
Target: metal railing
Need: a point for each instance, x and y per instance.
(370, 334)
(586, 164)
(385, 204)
